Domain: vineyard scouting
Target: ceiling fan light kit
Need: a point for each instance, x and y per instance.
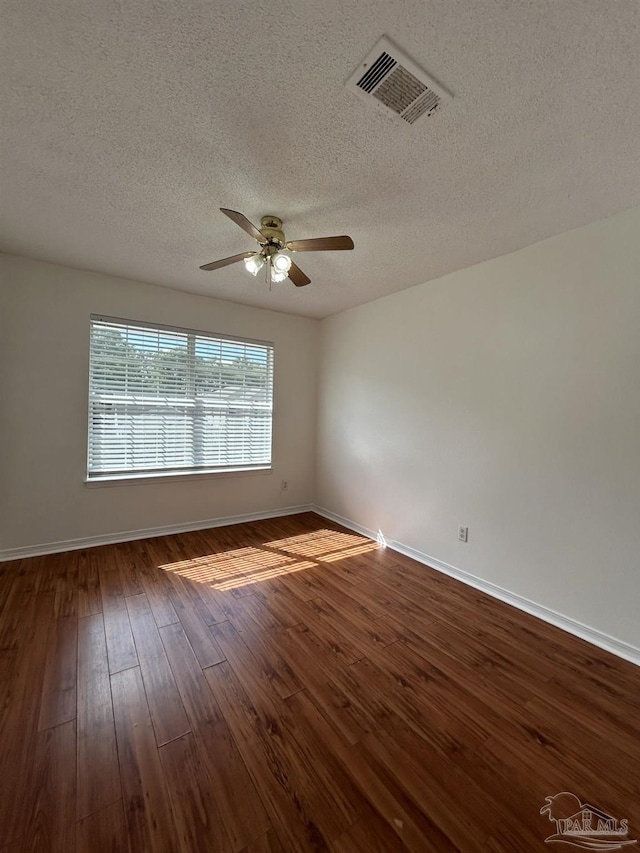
(272, 252)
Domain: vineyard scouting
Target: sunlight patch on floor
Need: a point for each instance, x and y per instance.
(245, 566)
(221, 568)
(321, 542)
(257, 576)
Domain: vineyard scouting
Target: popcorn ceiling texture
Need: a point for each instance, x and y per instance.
(126, 125)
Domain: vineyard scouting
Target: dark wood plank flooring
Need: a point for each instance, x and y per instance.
(286, 686)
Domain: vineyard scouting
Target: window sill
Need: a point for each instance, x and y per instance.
(169, 477)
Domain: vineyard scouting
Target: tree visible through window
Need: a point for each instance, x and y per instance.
(173, 400)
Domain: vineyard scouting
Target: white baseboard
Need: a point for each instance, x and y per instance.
(145, 533)
(597, 638)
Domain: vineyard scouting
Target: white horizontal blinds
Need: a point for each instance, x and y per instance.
(172, 400)
(233, 402)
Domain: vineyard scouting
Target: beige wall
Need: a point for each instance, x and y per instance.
(505, 397)
(44, 341)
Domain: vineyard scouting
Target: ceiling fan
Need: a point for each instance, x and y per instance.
(272, 254)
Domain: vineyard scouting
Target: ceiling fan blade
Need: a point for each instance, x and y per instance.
(297, 276)
(241, 220)
(215, 265)
(320, 244)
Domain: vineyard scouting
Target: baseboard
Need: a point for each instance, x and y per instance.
(597, 638)
(145, 533)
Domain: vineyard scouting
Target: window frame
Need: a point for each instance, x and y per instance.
(159, 475)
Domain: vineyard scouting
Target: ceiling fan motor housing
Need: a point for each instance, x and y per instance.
(271, 228)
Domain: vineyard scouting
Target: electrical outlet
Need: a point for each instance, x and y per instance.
(463, 533)
(284, 486)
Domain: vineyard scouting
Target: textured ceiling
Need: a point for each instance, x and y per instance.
(127, 124)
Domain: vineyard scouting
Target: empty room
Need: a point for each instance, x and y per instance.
(319, 426)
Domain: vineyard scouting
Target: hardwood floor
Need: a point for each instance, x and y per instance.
(285, 686)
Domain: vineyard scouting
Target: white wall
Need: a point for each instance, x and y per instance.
(44, 351)
(505, 397)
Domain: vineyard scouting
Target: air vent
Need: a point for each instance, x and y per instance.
(388, 75)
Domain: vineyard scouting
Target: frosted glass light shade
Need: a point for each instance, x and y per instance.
(281, 263)
(254, 264)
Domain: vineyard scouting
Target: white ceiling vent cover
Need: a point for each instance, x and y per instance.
(386, 73)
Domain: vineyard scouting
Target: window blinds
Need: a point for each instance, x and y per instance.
(173, 400)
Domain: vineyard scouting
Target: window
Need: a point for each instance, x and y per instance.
(165, 400)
